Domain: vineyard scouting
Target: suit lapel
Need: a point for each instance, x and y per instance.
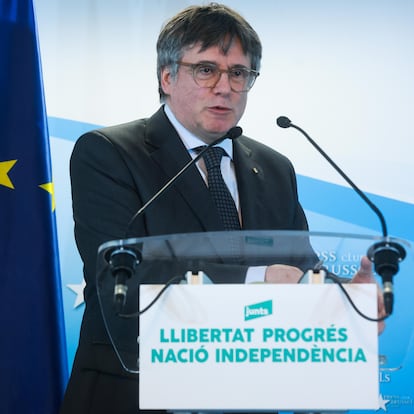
(168, 151)
(251, 184)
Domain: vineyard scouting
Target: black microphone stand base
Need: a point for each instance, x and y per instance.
(386, 256)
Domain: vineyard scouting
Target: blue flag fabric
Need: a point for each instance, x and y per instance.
(33, 363)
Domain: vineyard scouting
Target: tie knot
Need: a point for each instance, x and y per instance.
(212, 157)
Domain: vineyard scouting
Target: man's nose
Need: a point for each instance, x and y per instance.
(223, 82)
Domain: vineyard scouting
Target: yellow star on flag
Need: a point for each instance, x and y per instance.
(5, 167)
(51, 190)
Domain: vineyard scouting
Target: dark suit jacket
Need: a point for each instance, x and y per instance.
(115, 170)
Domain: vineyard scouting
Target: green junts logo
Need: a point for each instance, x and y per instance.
(258, 310)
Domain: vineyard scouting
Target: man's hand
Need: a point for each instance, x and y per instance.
(365, 275)
(279, 273)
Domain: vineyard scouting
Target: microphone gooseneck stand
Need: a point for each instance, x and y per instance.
(386, 254)
(123, 260)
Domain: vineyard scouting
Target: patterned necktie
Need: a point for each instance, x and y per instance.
(218, 188)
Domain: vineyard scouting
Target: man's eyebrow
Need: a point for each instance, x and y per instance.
(210, 62)
(206, 62)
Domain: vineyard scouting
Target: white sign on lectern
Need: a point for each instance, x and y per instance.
(258, 347)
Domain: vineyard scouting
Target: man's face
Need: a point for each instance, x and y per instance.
(207, 112)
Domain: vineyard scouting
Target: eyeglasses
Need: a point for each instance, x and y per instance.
(207, 75)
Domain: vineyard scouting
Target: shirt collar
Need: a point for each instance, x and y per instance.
(192, 141)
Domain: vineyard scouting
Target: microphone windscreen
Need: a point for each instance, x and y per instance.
(234, 132)
(283, 122)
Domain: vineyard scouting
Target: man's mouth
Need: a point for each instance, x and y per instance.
(219, 109)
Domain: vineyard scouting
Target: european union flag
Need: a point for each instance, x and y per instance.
(33, 364)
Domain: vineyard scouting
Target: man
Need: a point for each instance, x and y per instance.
(208, 60)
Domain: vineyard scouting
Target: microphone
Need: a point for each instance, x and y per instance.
(123, 260)
(232, 134)
(122, 263)
(385, 254)
(284, 122)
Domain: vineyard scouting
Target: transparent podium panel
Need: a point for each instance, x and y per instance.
(225, 258)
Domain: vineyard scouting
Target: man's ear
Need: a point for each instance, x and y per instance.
(166, 80)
